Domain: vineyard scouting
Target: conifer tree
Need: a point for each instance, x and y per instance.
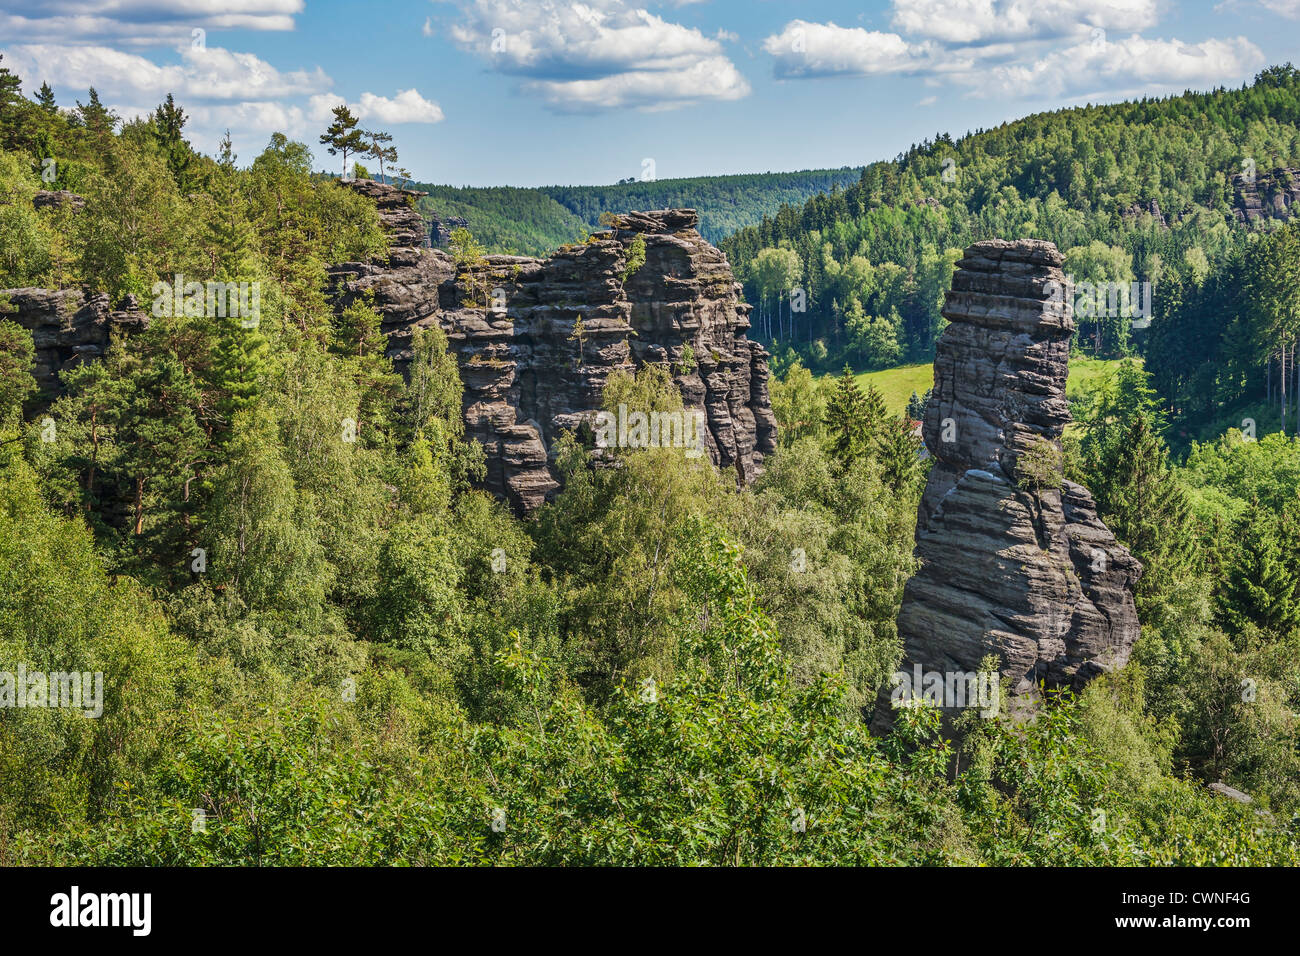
(848, 424)
(94, 116)
(1262, 579)
(167, 123)
(342, 136)
(899, 452)
(45, 99)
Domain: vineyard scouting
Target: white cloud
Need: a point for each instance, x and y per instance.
(408, 106)
(1287, 8)
(970, 21)
(1019, 48)
(1131, 66)
(203, 74)
(138, 22)
(598, 54)
(806, 49)
(711, 78)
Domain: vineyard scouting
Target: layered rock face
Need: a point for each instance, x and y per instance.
(1015, 562)
(537, 339)
(396, 207)
(67, 328)
(1267, 195)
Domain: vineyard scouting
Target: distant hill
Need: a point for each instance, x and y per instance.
(1146, 190)
(533, 221)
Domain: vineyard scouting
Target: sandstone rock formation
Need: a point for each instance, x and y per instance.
(67, 328)
(441, 228)
(1015, 562)
(1266, 195)
(46, 199)
(531, 372)
(397, 213)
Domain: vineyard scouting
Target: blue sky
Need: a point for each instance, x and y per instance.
(533, 92)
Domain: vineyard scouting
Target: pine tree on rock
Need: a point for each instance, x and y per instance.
(343, 137)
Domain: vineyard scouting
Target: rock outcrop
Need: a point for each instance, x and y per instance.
(536, 339)
(441, 228)
(397, 213)
(67, 328)
(47, 199)
(1271, 195)
(1014, 562)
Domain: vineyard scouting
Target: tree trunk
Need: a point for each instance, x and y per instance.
(1283, 389)
(139, 504)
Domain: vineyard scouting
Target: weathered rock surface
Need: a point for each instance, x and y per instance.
(67, 328)
(47, 199)
(529, 375)
(512, 322)
(1015, 562)
(441, 228)
(1272, 195)
(397, 212)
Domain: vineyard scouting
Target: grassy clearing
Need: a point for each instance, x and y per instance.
(897, 384)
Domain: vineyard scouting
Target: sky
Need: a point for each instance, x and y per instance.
(546, 92)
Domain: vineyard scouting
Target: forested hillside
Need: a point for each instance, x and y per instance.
(1139, 191)
(321, 643)
(535, 221)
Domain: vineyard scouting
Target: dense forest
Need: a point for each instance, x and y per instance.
(535, 221)
(324, 646)
(1131, 192)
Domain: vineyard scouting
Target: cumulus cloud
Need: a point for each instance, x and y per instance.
(970, 21)
(1015, 48)
(138, 22)
(203, 74)
(408, 106)
(1127, 66)
(806, 49)
(598, 54)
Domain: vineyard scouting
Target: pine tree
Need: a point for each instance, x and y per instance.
(848, 421)
(167, 123)
(13, 109)
(1262, 580)
(379, 151)
(45, 99)
(94, 116)
(342, 136)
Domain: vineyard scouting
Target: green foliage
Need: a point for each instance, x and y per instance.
(312, 628)
(635, 258)
(1084, 178)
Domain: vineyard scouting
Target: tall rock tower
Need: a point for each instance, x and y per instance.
(1015, 562)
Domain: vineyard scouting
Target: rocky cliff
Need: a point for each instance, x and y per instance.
(67, 328)
(1014, 561)
(1266, 195)
(536, 339)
